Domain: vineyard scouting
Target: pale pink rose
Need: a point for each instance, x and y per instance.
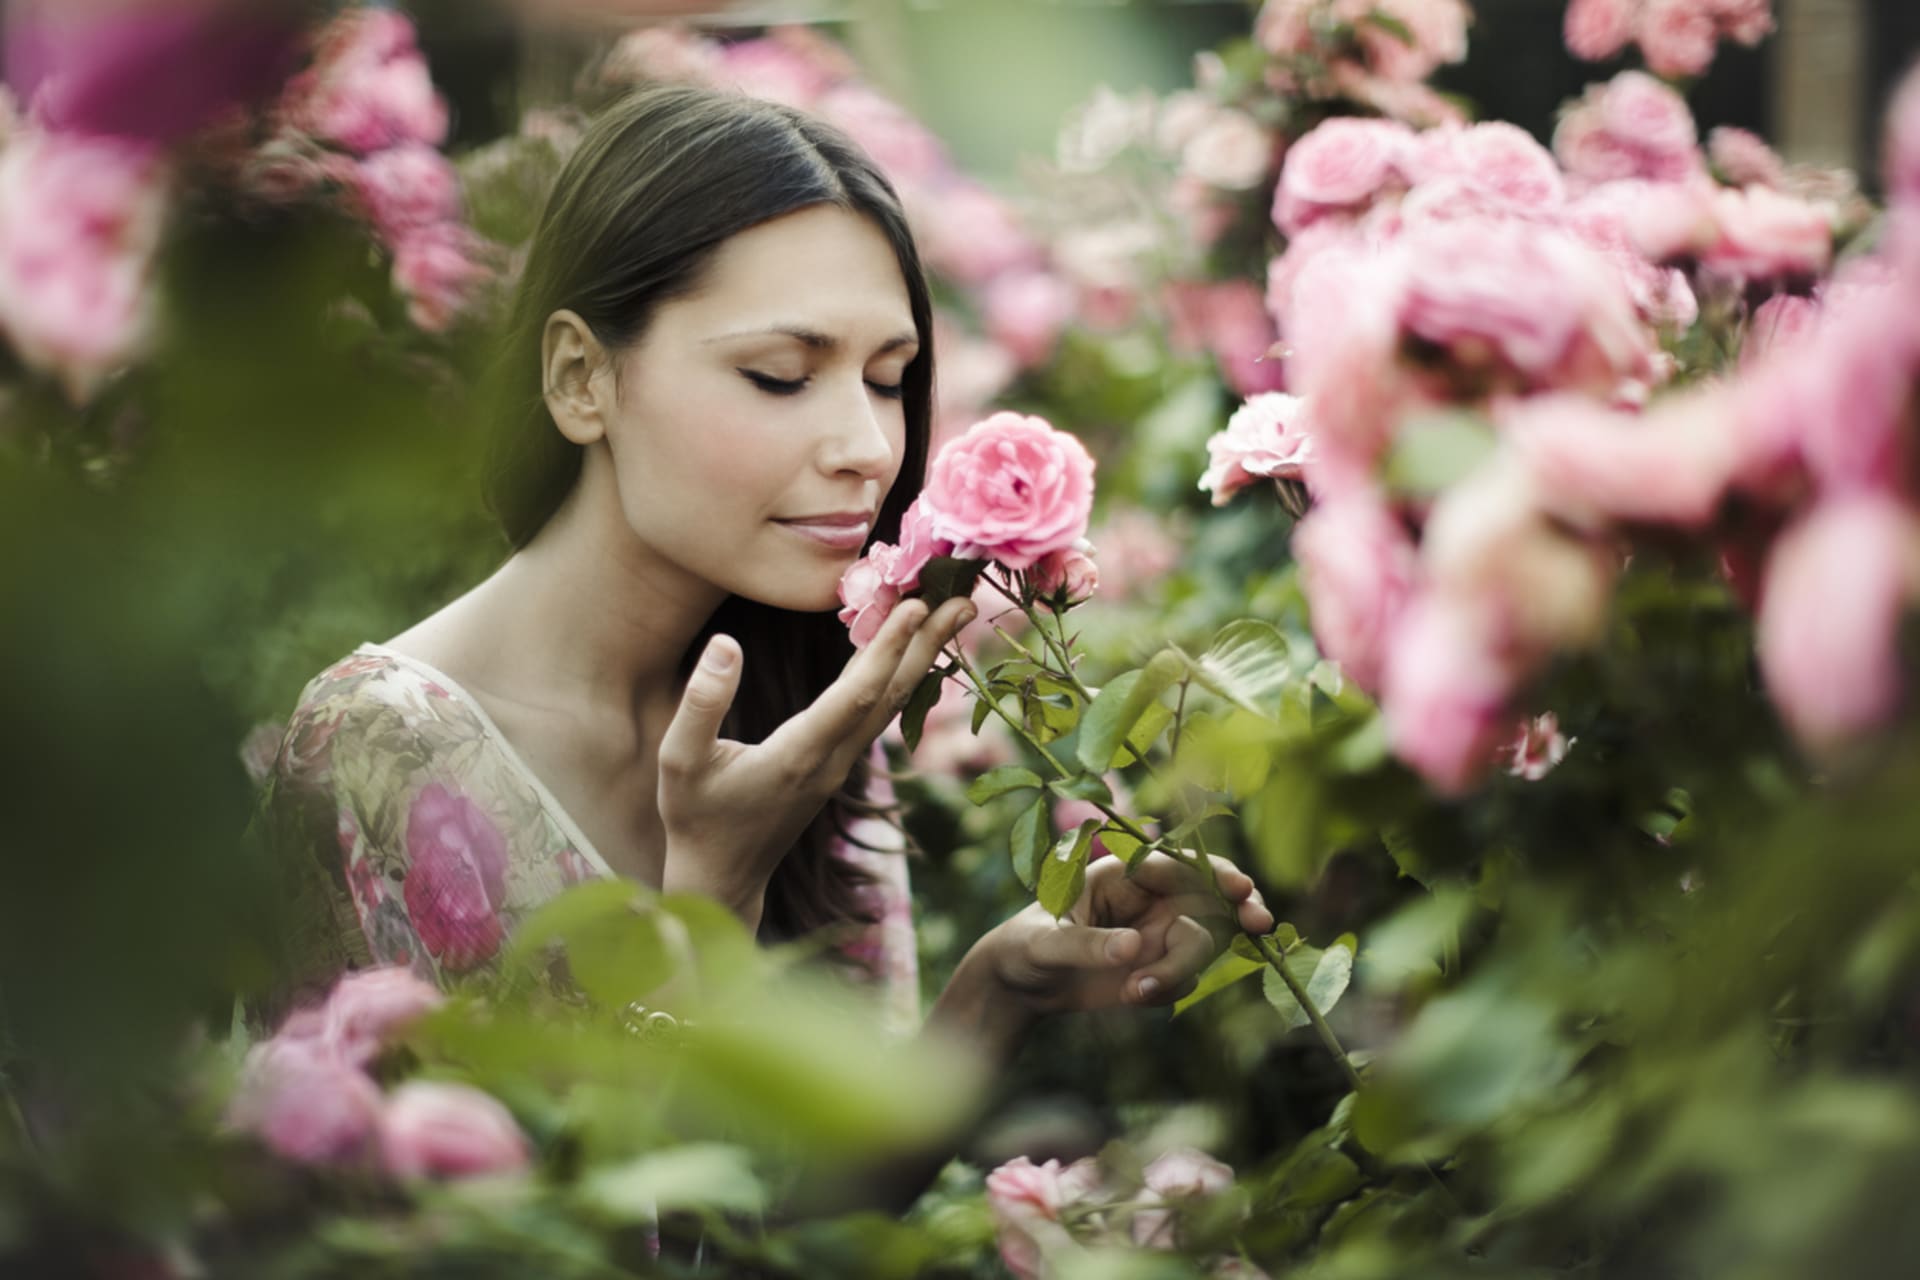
(1136, 548)
(1184, 1171)
(1444, 694)
(405, 189)
(1182, 115)
(306, 1102)
(1668, 221)
(1900, 164)
(1282, 27)
(1068, 576)
(866, 595)
(1301, 249)
(918, 544)
(1358, 568)
(1341, 166)
(667, 53)
(1342, 333)
(1652, 118)
(1408, 101)
(1747, 21)
(1744, 159)
(1783, 322)
(1588, 151)
(1847, 399)
(368, 87)
(1438, 29)
(1838, 584)
(368, 1009)
(1595, 30)
(1100, 129)
(1011, 489)
(776, 70)
(1537, 749)
(903, 147)
(1231, 150)
(1590, 465)
(456, 880)
(80, 223)
(1502, 158)
(969, 233)
(1025, 312)
(430, 1128)
(1765, 235)
(1025, 1200)
(1241, 336)
(440, 271)
(1677, 37)
(1268, 437)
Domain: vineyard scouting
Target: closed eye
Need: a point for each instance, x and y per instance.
(890, 390)
(774, 386)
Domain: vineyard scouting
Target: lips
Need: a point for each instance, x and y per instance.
(841, 531)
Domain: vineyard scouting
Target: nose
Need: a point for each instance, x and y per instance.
(861, 440)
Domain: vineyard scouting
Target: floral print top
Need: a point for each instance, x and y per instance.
(423, 838)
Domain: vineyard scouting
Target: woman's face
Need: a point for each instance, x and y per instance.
(758, 423)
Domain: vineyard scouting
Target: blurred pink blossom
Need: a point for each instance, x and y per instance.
(1765, 235)
(1781, 323)
(1230, 150)
(1136, 548)
(1591, 465)
(440, 270)
(1501, 158)
(430, 1128)
(1025, 1200)
(1437, 31)
(1268, 437)
(970, 233)
(1744, 159)
(903, 147)
(367, 1009)
(1358, 568)
(406, 188)
(1177, 1175)
(1677, 37)
(1339, 167)
(368, 87)
(1444, 694)
(1025, 312)
(775, 69)
(305, 1102)
(80, 221)
(668, 53)
(1838, 584)
(1633, 126)
(1537, 749)
(1597, 29)
(1901, 160)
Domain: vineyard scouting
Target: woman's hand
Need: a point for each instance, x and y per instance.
(732, 810)
(1141, 939)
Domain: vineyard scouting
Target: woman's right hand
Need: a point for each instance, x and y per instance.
(732, 810)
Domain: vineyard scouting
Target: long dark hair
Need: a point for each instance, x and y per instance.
(660, 179)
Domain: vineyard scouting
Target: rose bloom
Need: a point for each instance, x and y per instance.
(1590, 464)
(1444, 694)
(368, 87)
(1634, 126)
(1230, 151)
(867, 596)
(1744, 159)
(1025, 1200)
(1501, 158)
(1838, 584)
(968, 232)
(1342, 330)
(1025, 312)
(904, 148)
(1781, 323)
(1069, 577)
(434, 1129)
(1136, 548)
(368, 1009)
(1358, 568)
(669, 53)
(1011, 490)
(1438, 28)
(305, 1102)
(775, 70)
(1341, 166)
(1268, 437)
(1765, 235)
(406, 188)
(1537, 748)
(1595, 30)
(1180, 1174)
(1677, 37)
(439, 270)
(80, 222)
(456, 881)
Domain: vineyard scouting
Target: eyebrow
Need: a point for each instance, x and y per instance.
(815, 340)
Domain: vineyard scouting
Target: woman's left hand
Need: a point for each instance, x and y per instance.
(1130, 940)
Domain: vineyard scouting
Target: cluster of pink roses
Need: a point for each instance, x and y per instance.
(1377, 53)
(1011, 491)
(366, 118)
(967, 234)
(1045, 1214)
(306, 1092)
(1676, 37)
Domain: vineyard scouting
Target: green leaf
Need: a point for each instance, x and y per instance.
(1117, 709)
(700, 1175)
(1324, 974)
(1438, 451)
(1146, 731)
(1064, 873)
(1123, 845)
(1248, 664)
(1001, 781)
(1049, 707)
(1082, 786)
(1413, 941)
(1228, 968)
(982, 708)
(1030, 831)
(1179, 836)
(944, 577)
(913, 716)
(1283, 824)
(579, 909)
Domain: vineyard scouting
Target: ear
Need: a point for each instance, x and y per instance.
(575, 378)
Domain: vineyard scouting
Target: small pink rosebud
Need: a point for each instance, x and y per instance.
(1067, 577)
(433, 1129)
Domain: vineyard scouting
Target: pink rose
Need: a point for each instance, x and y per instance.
(1340, 166)
(1230, 150)
(1438, 29)
(1838, 584)
(866, 595)
(900, 144)
(1358, 568)
(1067, 577)
(1649, 115)
(669, 53)
(1180, 1174)
(1765, 235)
(1444, 694)
(1781, 323)
(1500, 157)
(305, 1102)
(1136, 548)
(1588, 151)
(969, 233)
(1282, 26)
(1342, 329)
(1746, 21)
(1011, 489)
(1025, 312)
(80, 221)
(368, 1009)
(918, 544)
(456, 880)
(1590, 464)
(440, 271)
(1669, 221)
(1268, 437)
(1901, 161)
(1537, 749)
(433, 1129)
(776, 70)
(1677, 37)
(368, 87)
(1025, 1200)
(1595, 30)
(406, 188)
(1744, 159)
(1228, 318)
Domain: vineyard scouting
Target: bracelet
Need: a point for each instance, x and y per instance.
(653, 1026)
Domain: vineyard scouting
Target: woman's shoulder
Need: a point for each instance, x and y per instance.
(373, 695)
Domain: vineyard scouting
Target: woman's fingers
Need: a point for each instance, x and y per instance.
(1190, 947)
(837, 716)
(1066, 946)
(688, 742)
(921, 653)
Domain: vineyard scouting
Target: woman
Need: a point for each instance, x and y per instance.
(716, 390)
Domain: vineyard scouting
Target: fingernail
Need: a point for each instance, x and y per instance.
(719, 658)
(1147, 987)
(1117, 946)
(968, 615)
